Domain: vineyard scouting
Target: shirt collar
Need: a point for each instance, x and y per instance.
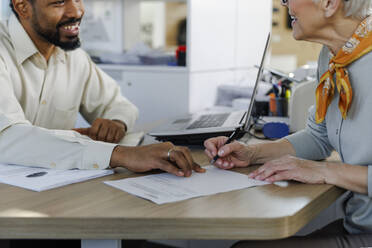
(23, 45)
(60, 54)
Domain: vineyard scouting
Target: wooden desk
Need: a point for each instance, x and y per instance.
(92, 210)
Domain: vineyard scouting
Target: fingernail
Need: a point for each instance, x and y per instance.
(221, 152)
(180, 173)
(226, 164)
(219, 162)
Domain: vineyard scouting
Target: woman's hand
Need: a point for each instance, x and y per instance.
(231, 155)
(291, 168)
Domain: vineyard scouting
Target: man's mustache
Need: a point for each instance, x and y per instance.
(70, 21)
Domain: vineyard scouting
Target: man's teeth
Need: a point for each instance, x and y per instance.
(71, 27)
(293, 18)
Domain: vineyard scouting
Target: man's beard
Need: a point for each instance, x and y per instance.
(55, 37)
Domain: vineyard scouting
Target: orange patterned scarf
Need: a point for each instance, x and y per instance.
(359, 45)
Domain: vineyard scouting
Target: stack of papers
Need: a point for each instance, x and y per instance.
(165, 187)
(39, 179)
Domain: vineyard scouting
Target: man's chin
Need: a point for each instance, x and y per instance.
(69, 45)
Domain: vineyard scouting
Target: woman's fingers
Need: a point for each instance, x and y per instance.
(224, 164)
(213, 144)
(284, 175)
(228, 149)
(268, 169)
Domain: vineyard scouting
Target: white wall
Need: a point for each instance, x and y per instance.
(227, 34)
(101, 28)
(131, 24)
(253, 25)
(225, 39)
(211, 34)
(154, 13)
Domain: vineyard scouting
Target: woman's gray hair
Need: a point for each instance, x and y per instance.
(357, 8)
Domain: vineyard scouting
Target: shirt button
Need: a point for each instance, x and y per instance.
(43, 102)
(95, 166)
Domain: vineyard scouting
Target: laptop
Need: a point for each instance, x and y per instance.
(195, 128)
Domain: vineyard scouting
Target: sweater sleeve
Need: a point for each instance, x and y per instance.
(312, 142)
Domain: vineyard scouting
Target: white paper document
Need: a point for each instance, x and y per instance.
(39, 179)
(165, 187)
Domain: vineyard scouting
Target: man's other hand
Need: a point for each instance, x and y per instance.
(176, 160)
(105, 130)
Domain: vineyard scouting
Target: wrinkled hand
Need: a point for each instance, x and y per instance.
(105, 130)
(291, 168)
(150, 157)
(231, 155)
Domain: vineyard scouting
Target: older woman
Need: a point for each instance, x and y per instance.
(341, 120)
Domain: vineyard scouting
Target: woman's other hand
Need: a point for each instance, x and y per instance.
(291, 168)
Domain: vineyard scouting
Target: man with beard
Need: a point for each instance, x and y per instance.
(46, 80)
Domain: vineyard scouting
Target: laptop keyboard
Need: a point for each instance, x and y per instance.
(213, 120)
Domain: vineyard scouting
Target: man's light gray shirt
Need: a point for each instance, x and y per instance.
(40, 100)
(351, 138)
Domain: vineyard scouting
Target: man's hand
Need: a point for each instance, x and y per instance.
(105, 130)
(150, 157)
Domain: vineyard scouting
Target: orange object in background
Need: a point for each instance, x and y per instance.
(272, 105)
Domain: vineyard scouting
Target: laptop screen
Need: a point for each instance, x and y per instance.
(248, 116)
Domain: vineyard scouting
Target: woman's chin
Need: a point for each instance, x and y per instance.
(297, 36)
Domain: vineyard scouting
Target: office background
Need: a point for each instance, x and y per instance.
(135, 42)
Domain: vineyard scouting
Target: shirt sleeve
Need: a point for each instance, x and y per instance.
(24, 144)
(102, 98)
(312, 142)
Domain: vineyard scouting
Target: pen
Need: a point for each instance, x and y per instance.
(37, 174)
(229, 140)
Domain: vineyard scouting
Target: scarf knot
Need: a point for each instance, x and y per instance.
(358, 45)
